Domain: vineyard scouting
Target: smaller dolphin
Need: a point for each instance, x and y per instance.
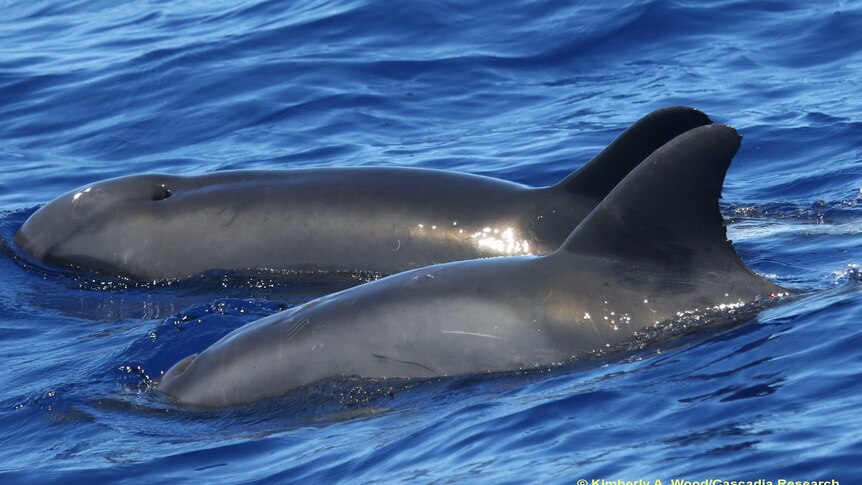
(655, 246)
(381, 220)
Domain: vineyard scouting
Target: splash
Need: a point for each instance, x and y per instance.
(852, 273)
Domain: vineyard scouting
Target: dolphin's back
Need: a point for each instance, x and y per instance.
(383, 220)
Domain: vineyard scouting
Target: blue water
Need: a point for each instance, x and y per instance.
(525, 91)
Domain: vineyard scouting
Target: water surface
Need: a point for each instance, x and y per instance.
(526, 92)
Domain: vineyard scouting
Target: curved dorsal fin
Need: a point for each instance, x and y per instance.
(600, 175)
(666, 211)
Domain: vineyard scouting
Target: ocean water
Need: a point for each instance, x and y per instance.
(522, 90)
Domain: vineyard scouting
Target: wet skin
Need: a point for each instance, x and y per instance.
(381, 220)
(654, 247)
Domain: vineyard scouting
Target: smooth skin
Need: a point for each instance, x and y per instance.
(379, 220)
(654, 247)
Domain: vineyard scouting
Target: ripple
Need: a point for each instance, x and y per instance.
(93, 90)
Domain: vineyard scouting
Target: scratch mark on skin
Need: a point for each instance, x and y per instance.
(295, 329)
(460, 332)
(228, 216)
(403, 362)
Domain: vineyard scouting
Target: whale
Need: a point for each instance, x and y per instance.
(653, 249)
(379, 220)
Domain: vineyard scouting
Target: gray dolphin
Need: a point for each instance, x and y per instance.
(382, 220)
(654, 247)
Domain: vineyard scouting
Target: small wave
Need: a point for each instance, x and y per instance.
(850, 274)
(765, 220)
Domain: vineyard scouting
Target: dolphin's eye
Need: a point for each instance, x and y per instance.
(161, 193)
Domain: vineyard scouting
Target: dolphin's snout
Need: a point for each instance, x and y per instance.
(25, 244)
(49, 234)
(182, 365)
(168, 383)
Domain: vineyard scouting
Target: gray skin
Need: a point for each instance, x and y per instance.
(382, 220)
(654, 247)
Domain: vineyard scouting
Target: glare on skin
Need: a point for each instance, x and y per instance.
(503, 241)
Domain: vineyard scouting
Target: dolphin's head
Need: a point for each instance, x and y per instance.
(206, 380)
(82, 227)
(240, 368)
(270, 358)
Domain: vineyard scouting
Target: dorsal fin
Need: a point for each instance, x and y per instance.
(600, 175)
(666, 210)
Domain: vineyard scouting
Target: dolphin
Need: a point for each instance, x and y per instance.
(379, 220)
(654, 247)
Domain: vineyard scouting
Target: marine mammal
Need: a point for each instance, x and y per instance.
(383, 220)
(655, 246)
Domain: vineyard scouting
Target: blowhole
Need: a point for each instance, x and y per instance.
(162, 193)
